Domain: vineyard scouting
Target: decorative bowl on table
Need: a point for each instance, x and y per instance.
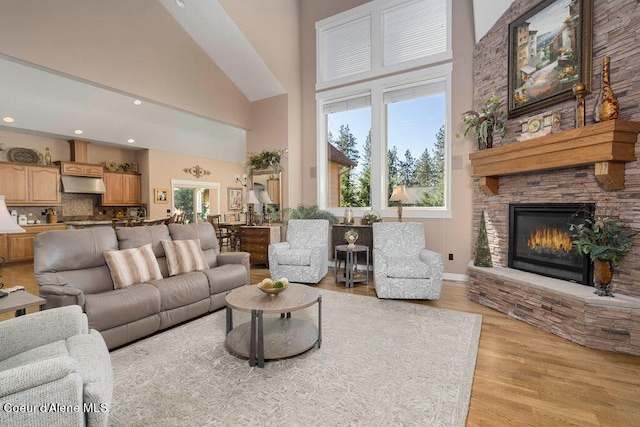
(271, 287)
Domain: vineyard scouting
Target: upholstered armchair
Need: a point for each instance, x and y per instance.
(303, 257)
(55, 368)
(402, 267)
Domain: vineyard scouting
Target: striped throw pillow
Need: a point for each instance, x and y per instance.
(184, 256)
(132, 266)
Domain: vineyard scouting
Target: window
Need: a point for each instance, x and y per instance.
(348, 146)
(386, 132)
(382, 37)
(392, 128)
(416, 142)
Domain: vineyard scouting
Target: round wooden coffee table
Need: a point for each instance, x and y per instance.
(274, 337)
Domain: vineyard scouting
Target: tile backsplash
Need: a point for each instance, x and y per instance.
(77, 206)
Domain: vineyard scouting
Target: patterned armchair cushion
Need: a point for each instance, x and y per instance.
(306, 233)
(300, 256)
(394, 238)
(407, 268)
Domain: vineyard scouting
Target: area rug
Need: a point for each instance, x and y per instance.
(381, 363)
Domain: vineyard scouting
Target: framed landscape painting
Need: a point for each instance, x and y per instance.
(549, 53)
(235, 199)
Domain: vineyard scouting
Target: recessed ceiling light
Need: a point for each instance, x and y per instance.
(137, 102)
(78, 132)
(8, 119)
(181, 3)
(131, 140)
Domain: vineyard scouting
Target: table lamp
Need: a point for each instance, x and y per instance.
(265, 200)
(7, 225)
(399, 194)
(250, 199)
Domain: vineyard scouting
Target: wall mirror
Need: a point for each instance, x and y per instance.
(268, 187)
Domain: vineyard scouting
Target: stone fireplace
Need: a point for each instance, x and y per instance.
(533, 176)
(595, 164)
(540, 240)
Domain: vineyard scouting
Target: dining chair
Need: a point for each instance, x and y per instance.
(224, 235)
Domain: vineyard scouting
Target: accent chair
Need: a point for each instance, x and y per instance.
(53, 362)
(303, 257)
(403, 268)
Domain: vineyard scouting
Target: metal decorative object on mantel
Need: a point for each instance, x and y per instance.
(197, 171)
(540, 125)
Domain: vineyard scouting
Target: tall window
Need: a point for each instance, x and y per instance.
(399, 138)
(416, 143)
(349, 152)
(383, 125)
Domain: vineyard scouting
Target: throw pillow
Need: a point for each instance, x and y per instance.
(184, 256)
(132, 266)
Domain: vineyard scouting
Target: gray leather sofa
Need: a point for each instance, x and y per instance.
(70, 268)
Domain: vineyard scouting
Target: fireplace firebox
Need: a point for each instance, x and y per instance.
(540, 242)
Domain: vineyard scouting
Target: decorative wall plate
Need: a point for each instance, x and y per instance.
(111, 166)
(24, 155)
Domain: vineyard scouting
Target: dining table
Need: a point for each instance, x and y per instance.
(233, 228)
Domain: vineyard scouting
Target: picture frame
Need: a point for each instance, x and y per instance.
(550, 51)
(234, 198)
(161, 195)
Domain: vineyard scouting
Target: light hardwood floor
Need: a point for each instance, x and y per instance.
(524, 376)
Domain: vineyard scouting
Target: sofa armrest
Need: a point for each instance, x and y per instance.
(379, 263)
(236, 258)
(274, 249)
(36, 374)
(232, 257)
(26, 332)
(60, 296)
(431, 258)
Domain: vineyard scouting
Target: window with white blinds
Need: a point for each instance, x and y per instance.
(362, 101)
(413, 30)
(413, 92)
(382, 37)
(346, 49)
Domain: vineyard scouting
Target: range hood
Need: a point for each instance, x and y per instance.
(82, 184)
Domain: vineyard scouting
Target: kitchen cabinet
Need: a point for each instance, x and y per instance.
(19, 246)
(29, 185)
(122, 189)
(256, 240)
(81, 169)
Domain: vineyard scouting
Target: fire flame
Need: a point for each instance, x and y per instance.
(552, 238)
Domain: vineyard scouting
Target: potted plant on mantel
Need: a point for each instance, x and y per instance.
(606, 241)
(483, 124)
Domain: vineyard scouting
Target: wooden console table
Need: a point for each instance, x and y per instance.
(607, 146)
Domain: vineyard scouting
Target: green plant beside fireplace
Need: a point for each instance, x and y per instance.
(602, 239)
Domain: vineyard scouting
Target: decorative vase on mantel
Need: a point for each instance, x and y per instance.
(607, 106)
(602, 276)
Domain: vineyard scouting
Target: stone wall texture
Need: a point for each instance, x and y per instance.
(615, 34)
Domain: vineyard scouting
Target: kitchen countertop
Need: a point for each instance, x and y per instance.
(89, 222)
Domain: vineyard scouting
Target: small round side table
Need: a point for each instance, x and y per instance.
(351, 274)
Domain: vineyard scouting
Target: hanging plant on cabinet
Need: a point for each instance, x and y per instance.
(266, 160)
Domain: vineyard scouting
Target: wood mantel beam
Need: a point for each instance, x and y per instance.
(610, 175)
(490, 185)
(606, 145)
